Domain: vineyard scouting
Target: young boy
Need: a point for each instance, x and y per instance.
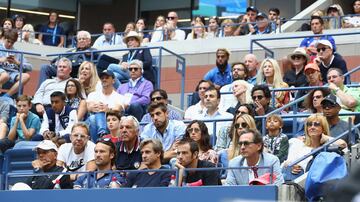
(275, 142)
(113, 124)
(24, 126)
(10, 64)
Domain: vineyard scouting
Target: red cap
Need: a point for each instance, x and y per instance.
(313, 66)
(263, 179)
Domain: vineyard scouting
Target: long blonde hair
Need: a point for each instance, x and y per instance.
(203, 34)
(94, 79)
(324, 125)
(234, 148)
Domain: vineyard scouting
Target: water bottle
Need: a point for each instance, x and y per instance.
(114, 184)
(172, 181)
(57, 184)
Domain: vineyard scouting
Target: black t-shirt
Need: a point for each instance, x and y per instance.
(144, 179)
(45, 181)
(293, 79)
(210, 177)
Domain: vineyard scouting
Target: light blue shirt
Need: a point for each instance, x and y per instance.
(174, 131)
(32, 121)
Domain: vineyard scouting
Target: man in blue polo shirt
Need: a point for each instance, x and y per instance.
(221, 74)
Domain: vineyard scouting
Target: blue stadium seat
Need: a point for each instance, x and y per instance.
(155, 66)
(223, 162)
(18, 161)
(1, 172)
(26, 145)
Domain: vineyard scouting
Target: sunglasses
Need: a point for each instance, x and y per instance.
(296, 57)
(313, 123)
(259, 97)
(243, 125)
(133, 68)
(190, 130)
(156, 99)
(317, 97)
(245, 143)
(170, 18)
(321, 49)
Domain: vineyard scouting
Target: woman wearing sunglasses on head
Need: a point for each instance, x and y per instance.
(317, 133)
(197, 131)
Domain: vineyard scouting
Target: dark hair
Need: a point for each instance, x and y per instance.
(19, 16)
(216, 18)
(246, 70)
(202, 18)
(58, 94)
(11, 34)
(154, 106)
(249, 107)
(156, 146)
(353, 6)
(113, 113)
(109, 143)
(264, 88)
(7, 19)
(212, 88)
(57, 16)
(78, 88)
(24, 98)
(308, 102)
(257, 138)
(204, 81)
(204, 142)
(161, 92)
(314, 17)
(109, 23)
(276, 10)
(143, 19)
(194, 147)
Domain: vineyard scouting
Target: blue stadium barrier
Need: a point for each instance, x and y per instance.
(44, 33)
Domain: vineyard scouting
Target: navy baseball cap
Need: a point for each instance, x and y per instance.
(107, 73)
(252, 8)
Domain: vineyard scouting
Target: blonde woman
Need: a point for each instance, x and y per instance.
(88, 77)
(317, 133)
(198, 32)
(28, 35)
(228, 28)
(270, 74)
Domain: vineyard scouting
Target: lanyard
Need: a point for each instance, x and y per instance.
(54, 34)
(130, 58)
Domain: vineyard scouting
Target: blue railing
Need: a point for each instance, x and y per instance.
(43, 33)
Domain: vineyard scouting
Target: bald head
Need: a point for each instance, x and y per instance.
(251, 63)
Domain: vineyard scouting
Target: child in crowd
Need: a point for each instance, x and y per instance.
(276, 142)
(113, 123)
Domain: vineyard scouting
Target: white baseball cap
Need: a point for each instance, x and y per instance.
(47, 145)
(325, 43)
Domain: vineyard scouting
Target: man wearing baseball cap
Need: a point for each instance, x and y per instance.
(262, 25)
(45, 163)
(249, 19)
(326, 58)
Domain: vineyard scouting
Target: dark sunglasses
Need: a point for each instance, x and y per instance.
(190, 130)
(245, 143)
(156, 98)
(313, 123)
(259, 97)
(243, 125)
(296, 57)
(321, 49)
(170, 18)
(133, 68)
(317, 97)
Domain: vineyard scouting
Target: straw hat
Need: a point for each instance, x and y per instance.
(132, 34)
(299, 51)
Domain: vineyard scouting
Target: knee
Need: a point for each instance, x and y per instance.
(25, 77)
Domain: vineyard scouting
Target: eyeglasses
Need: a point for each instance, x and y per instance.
(245, 143)
(171, 18)
(190, 130)
(79, 136)
(243, 125)
(156, 98)
(133, 68)
(259, 97)
(317, 97)
(322, 49)
(70, 85)
(313, 123)
(296, 57)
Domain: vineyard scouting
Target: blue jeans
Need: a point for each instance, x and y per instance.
(122, 76)
(46, 72)
(97, 125)
(137, 110)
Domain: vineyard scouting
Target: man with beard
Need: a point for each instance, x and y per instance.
(187, 157)
(152, 154)
(221, 74)
(104, 159)
(109, 37)
(169, 132)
